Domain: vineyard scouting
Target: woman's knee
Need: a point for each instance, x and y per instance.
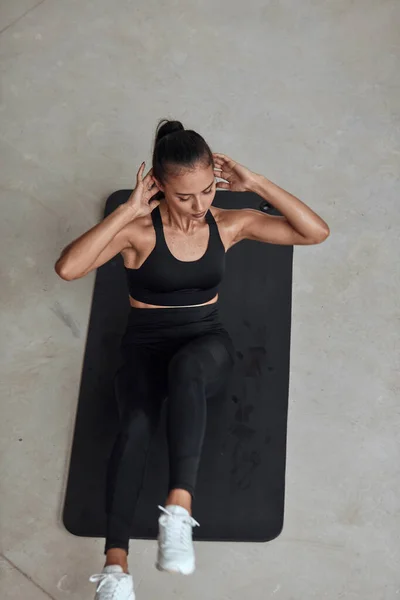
(203, 357)
(186, 363)
(137, 424)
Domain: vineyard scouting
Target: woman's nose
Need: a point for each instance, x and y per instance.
(198, 207)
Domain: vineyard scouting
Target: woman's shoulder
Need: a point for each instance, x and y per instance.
(140, 231)
(227, 217)
(141, 237)
(228, 221)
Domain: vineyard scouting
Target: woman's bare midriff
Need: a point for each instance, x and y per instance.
(137, 304)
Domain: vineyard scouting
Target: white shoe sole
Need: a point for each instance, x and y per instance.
(175, 569)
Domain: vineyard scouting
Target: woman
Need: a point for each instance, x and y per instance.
(173, 243)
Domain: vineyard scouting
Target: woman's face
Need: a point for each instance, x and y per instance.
(191, 193)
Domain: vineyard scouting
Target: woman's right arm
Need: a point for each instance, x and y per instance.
(107, 239)
(97, 246)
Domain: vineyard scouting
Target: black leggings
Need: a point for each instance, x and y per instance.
(184, 355)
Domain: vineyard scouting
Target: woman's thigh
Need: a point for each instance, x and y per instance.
(208, 358)
(141, 382)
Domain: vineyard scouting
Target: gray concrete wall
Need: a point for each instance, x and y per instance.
(305, 92)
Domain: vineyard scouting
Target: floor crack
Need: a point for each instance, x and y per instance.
(39, 587)
(21, 17)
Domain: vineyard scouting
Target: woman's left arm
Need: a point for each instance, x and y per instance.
(298, 225)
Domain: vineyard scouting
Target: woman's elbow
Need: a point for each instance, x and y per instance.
(322, 235)
(62, 271)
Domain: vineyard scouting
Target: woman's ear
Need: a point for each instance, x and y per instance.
(158, 184)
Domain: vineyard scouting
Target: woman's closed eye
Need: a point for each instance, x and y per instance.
(185, 198)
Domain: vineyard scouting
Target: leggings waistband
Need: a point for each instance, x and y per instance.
(159, 317)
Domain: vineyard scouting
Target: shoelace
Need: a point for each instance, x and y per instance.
(103, 578)
(176, 529)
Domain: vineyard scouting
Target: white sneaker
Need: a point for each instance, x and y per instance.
(175, 544)
(114, 584)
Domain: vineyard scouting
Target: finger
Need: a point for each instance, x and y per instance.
(223, 185)
(148, 181)
(149, 174)
(153, 204)
(221, 157)
(152, 190)
(140, 172)
(151, 197)
(221, 174)
(221, 166)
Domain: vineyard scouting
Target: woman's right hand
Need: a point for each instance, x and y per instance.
(140, 201)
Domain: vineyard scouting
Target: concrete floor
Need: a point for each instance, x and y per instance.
(302, 91)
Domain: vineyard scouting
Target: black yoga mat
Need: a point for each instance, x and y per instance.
(241, 483)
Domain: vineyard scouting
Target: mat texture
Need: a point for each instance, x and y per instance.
(241, 484)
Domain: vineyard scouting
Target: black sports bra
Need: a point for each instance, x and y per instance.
(164, 280)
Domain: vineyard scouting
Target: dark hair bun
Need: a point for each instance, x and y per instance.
(166, 127)
(176, 148)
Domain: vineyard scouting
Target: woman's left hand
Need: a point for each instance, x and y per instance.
(237, 177)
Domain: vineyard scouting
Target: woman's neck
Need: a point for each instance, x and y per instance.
(178, 222)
